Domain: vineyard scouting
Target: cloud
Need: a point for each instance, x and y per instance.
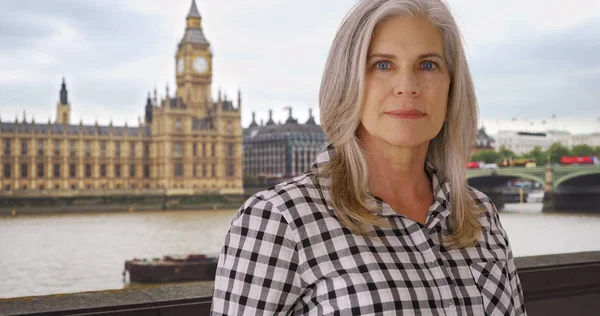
(528, 59)
(535, 74)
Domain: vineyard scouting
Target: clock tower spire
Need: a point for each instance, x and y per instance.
(193, 63)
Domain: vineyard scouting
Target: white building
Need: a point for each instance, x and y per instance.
(563, 137)
(592, 140)
(523, 142)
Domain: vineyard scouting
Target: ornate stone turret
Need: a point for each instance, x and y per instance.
(63, 108)
(148, 110)
(270, 121)
(311, 119)
(64, 100)
(155, 97)
(290, 119)
(253, 124)
(194, 16)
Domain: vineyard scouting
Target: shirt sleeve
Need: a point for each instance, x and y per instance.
(515, 283)
(257, 273)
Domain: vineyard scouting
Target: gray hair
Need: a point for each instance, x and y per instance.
(340, 101)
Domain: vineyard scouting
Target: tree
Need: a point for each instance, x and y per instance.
(582, 150)
(538, 155)
(556, 151)
(506, 153)
(487, 156)
(597, 151)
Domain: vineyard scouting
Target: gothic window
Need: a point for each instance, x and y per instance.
(178, 169)
(230, 150)
(132, 171)
(178, 125)
(7, 169)
(230, 170)
(57, 170)
(118, 149)
(178, 150)
(73, 148)
(24, 149)
(146, 171)
(24, 171)
(118, 170)
(132, 150)
(103, 149)
(102, 170)
(40, 170)
(146, 150)
(73, 170)
(88, 148)
(40, 151)
(88, 171)
(7, 145)
(57, 148)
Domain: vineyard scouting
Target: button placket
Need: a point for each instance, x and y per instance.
(451, 308)
(439, 273)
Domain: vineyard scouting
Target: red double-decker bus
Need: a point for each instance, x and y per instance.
(579, 160)
(474, 165)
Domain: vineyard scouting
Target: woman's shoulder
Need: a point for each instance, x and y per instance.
(293, 200)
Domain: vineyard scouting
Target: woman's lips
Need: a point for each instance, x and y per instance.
(406, 114)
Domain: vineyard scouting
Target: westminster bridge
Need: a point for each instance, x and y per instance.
(566, 188)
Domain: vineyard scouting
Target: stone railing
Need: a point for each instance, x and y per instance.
(563, 284)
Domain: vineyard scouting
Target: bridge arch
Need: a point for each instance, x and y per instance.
(574, 175)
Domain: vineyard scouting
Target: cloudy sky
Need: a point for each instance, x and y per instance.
(530, 59)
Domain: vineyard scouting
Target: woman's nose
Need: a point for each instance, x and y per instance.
(406, 85)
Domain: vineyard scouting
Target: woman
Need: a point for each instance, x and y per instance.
(384, 222)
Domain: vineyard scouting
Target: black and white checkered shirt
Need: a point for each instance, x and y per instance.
(287, 254)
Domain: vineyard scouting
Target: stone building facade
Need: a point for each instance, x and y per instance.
(484, 141)
(187, 143)
(277, 151)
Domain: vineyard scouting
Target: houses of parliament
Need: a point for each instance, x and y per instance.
(188, 142)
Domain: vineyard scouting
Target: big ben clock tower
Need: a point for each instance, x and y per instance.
(193, 65)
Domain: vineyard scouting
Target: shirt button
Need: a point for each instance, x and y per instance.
(452, 307)
(431, 258)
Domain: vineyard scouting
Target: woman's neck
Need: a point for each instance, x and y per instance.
(397, 172)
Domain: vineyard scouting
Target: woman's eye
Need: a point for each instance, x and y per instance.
(383, 65)
(428, 65)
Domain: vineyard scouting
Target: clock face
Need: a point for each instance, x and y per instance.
(180, 65)
(200, 64)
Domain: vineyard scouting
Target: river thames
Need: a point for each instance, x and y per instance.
(50, 254)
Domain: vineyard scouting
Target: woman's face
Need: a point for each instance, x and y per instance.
(407, 84)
